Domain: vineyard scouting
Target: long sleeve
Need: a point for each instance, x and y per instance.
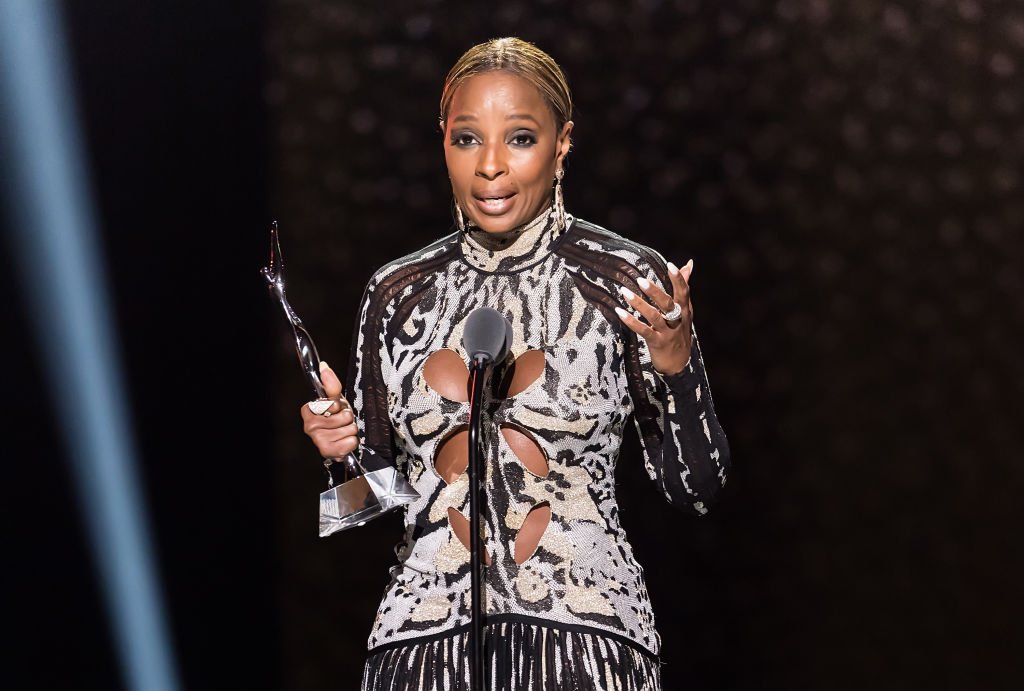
(685, 450)
(390, 296)
(365, 388)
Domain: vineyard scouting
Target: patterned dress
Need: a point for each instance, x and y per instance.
(565, 600)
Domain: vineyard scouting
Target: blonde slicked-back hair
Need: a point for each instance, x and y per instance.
(517, 57)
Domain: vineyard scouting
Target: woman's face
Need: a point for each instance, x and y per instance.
(502, 148)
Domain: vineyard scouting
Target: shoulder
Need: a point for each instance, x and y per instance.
(594, 246)
(389, 280)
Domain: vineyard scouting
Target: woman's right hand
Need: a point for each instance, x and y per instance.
(334, 433)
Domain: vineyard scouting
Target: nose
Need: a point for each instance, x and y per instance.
(491, 162)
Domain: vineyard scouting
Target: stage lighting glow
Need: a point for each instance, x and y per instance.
(54, 239)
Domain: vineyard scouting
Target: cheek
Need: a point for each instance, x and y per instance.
(457, 170)
(536, 171)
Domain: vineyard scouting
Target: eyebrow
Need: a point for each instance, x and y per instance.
(513, 116)
(522, 116)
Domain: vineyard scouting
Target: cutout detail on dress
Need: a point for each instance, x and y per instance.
(534, 525)
(460, 527)
(526, 449)
(446, 373)
(452, 456)
(522, 373)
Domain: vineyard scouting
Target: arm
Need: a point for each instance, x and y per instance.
(343, 427)
(365, 385)
(687, 454)
(686, 451)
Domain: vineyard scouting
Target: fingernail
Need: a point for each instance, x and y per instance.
(626, 292)
(643, 283)
(323, 365)
(673, 269)
(621, 312)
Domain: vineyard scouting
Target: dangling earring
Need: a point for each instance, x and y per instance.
(559, 210)
(459, 220)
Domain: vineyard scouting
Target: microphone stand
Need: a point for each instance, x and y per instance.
(476, 630)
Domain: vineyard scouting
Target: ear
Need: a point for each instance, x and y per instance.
(563, 143)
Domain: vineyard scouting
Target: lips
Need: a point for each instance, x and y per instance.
(494, 203)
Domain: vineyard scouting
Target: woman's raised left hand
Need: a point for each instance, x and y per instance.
(668, 341)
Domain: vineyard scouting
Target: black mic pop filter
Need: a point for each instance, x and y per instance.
(487, 335)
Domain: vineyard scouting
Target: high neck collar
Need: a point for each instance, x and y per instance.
(512, 250)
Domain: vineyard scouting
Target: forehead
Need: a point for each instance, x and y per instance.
(499, 93)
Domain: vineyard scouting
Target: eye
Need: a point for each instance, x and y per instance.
(523, 139)
(463, 139)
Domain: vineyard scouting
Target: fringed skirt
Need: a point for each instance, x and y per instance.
(519, 656)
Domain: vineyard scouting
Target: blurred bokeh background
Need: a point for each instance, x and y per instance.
(847, 177)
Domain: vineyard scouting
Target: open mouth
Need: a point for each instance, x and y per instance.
(495, 204)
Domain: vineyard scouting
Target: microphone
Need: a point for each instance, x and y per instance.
(487, 336)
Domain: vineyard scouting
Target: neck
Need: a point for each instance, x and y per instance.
(499, 241)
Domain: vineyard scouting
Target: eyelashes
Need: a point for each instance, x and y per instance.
(521, 140)
(463, 139)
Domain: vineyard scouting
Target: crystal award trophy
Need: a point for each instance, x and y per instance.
(354, 496)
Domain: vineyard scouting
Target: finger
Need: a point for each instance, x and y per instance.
(332, 421)
(334, 444)
(343, 432)
(337, 449)
(646, 309)
(662, 300)
(332, 385)
(681, 289)
(635, 324)
(341, 448)
(685, 271)
(681, 282)
(314, 424)
(310, 416)
(326, 407)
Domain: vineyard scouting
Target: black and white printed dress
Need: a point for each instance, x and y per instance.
(566, 603)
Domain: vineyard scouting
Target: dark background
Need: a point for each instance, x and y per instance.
(847, 177)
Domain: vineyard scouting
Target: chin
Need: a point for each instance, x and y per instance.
(498, 225)
(504, 222)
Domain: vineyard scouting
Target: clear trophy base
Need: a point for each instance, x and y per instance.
(362, 499)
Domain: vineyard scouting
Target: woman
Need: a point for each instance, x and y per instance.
(602, 331)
